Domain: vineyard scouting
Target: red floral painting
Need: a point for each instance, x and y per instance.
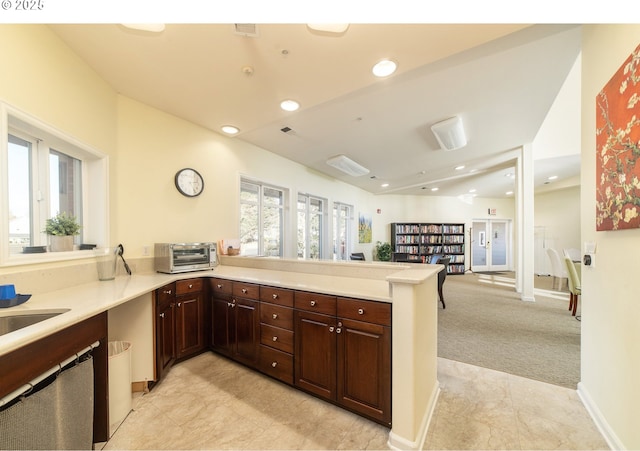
(618, 149)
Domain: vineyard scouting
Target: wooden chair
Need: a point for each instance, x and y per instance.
(442, 275)
(575, 288)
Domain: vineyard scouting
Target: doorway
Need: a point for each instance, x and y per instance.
(491, 245)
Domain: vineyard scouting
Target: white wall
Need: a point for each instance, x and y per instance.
(610, 314)
(153, 146)
(558, 214)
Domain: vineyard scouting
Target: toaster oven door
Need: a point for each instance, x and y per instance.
(187, 257)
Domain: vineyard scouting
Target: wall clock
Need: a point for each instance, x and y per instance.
(189, 182)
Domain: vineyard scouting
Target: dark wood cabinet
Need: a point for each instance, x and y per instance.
(189, 317)
(276, 333)
(179, 322)
(345, 357)
(364, 369)
(315, 355)
(165, 328)
(235, 320)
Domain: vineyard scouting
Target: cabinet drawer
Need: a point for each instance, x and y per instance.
(276, 364)
(277, 338)
(188, 286)
(220, 286)
(368, 311)
(246, 290)
(279, 296)
(165, 294)
(276, 315)
(313, 302)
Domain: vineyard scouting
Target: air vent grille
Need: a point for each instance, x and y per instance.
(247, 29)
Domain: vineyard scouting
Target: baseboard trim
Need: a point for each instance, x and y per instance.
(401, 443)
(601, 423)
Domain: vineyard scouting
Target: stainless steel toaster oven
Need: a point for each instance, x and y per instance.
(174, 258)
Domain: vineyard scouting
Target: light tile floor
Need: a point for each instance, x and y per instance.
(209, 402)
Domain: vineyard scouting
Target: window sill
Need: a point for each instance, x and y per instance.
(45, 257)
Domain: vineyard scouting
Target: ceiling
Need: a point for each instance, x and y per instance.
(500, 79)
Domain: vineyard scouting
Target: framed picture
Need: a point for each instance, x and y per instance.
(364, 228)
(618, 149)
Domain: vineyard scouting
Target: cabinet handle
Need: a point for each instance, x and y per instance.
(179, 304)
(331, 328)
(338, 330)
(274, 364)
(274, 295)
(360, 311)
(161, 315)
(275, 316)
(219, 286)
(167, 291)
(313, 303)
(190, 286)
(275, 338)
(244, 291)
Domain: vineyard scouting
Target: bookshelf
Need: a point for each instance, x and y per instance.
(417, 242)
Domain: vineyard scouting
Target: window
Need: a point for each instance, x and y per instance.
(342, 224)
(48, 173)
(311, 227)
(261, 219)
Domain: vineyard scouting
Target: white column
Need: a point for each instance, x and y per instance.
(414, 362)
(525, 220)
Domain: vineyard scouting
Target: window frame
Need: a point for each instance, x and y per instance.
(349, 227)
(324, 238)
(94, 180)
(284, 230)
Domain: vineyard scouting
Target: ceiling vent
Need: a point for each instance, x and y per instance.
(285, 129)
(246, 29)
(450, 133)
(347, 165)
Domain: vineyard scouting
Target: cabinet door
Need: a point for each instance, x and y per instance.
(165, 339)
(364, 368)
(315, 353)
(246, 330)
(220, 321)
(189, 325)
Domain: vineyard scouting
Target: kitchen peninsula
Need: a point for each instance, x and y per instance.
(409, 289)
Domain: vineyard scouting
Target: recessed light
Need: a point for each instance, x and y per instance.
(289, 105)
(384, 68)
(435, 189)
(509, 193)
(472, 190)
(553, 177)
(230, 129)
(384, 185)
(459, 168)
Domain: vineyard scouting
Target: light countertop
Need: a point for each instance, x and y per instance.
(84, 301)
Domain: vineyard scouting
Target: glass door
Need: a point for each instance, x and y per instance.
(491, 245)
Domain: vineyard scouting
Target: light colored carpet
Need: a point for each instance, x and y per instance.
(486, 324)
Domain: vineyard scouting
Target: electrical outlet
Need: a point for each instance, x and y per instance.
(145, 251)
(589, 260)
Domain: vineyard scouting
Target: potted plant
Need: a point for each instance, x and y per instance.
(382, 251)
(62, 228)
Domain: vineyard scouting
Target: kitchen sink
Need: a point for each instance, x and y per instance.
(11, 323)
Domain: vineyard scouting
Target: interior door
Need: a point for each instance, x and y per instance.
(491, 245)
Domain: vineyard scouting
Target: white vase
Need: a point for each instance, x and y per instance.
(61, 243)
